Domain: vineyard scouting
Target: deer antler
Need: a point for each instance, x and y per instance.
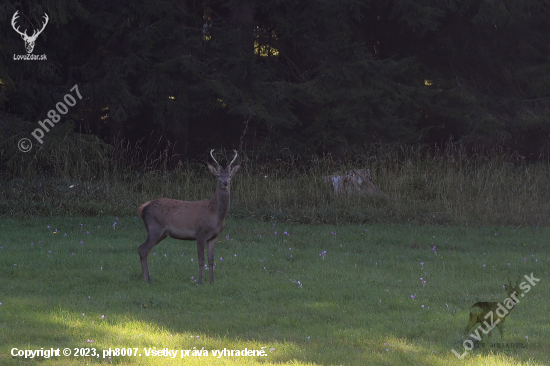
(233, 158)
(24, 34)
(510, 286)
(213, 158)
(35, 34)
(13, 19)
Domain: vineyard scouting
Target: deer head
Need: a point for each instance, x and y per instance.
(224, 175)
(29, 40)
(510, 288)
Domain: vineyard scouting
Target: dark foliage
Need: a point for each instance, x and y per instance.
(317, 76)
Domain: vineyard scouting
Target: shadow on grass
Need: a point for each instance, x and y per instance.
(353, 307)
(150, 322)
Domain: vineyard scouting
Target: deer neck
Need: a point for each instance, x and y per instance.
(220, 202)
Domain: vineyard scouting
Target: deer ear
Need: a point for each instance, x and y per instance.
(213, 170)
(234, 170)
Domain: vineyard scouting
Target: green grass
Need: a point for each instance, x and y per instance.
(451, 186)
(354, 306)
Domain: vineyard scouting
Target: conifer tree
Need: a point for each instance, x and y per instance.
(321, 75)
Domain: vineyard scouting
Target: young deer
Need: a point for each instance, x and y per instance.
(493, 313)
(202, 220)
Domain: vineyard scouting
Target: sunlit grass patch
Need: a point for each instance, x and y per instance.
(304, 294)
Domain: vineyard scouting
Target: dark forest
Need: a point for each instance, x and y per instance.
(292, 77)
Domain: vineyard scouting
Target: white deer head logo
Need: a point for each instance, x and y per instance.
(29, 41)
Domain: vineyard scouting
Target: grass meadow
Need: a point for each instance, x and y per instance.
(426, 186)
(303, 275)
(378, 294)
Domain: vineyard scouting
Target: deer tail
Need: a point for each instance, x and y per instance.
(140, 209)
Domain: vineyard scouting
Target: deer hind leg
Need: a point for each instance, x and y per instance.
(500, 327)
(471, 323)
(200, 252)
(210, 253)
(154, 236)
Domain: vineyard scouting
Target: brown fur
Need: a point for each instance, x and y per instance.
(202, 220)
(140, 209)
(479, 310)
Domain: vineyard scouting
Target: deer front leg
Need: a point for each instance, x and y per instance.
(210, 253)
(500, 327)
(200, 252)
